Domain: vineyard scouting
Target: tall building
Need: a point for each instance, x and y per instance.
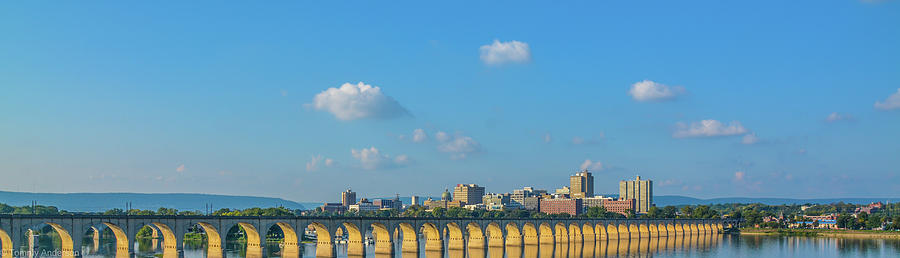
(468, 193)
(348, 197)
(581, 185)
(414, 200)
(639, 190)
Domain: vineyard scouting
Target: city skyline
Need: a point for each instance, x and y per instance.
(761, 99)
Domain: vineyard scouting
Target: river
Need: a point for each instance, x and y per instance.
(708, 246)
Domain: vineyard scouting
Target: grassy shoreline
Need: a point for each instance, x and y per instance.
(822, 233)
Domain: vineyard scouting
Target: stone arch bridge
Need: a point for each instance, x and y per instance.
(458, 233)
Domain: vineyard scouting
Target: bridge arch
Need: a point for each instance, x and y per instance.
(455, 238)
(383, 241)
(324, 244)
(530, 234)
(476, 236)
(634, 231)
(432, 237)
(575, 235)
(494, 233)
(643, 230)
(546, 234)
(513, 235)
(623, 231)
(600, 231)
(123, 244)
(169, 240)
(94, 234)
(410, 243)
(67, 244)
(612, 231)
(251, 235)
(6, 245)
(562, 236)
(354, 239)
(694, 230)
(587, 232)
(289, 245)
(654, 230)
(154, 235)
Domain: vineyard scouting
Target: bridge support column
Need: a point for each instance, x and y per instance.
(77, 242)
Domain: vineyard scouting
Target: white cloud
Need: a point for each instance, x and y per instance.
(708, 128)
(505, 52)
(590, 165)
(459, 146)
(648, 90)
(441, 136)
(372, 158)
(180, 168)
(402, 159)
(739, 176)
(547, 138)
(357, 101)
(578, 140)
(892, 102)
(835, 117)
(317, 160)
(419, 135)
(750, 138)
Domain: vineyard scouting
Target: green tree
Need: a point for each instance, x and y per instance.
(438, 212)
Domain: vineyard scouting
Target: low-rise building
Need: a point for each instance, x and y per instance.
(494, 201)
(364, 206)
(553, 206)
(528, 198)
(445, 204)
(334, 207)
(596, 201)
(532, 203)
(621, 206)
(872, 207)
(477, 206)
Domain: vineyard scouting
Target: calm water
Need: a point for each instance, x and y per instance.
(709, 246)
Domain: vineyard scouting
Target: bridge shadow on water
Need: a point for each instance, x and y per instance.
(602, 248)
(642, 247)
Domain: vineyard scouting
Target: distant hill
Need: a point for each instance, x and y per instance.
(95, 202)
(665, 200)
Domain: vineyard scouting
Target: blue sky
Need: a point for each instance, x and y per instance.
(707, 98)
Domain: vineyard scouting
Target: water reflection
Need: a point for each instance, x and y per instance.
(674, 246)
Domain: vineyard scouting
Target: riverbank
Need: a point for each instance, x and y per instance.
(822, 233)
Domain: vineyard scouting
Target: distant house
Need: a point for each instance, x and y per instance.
(828, 221)
(872, 207)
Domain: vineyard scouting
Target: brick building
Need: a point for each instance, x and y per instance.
(570, 206)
